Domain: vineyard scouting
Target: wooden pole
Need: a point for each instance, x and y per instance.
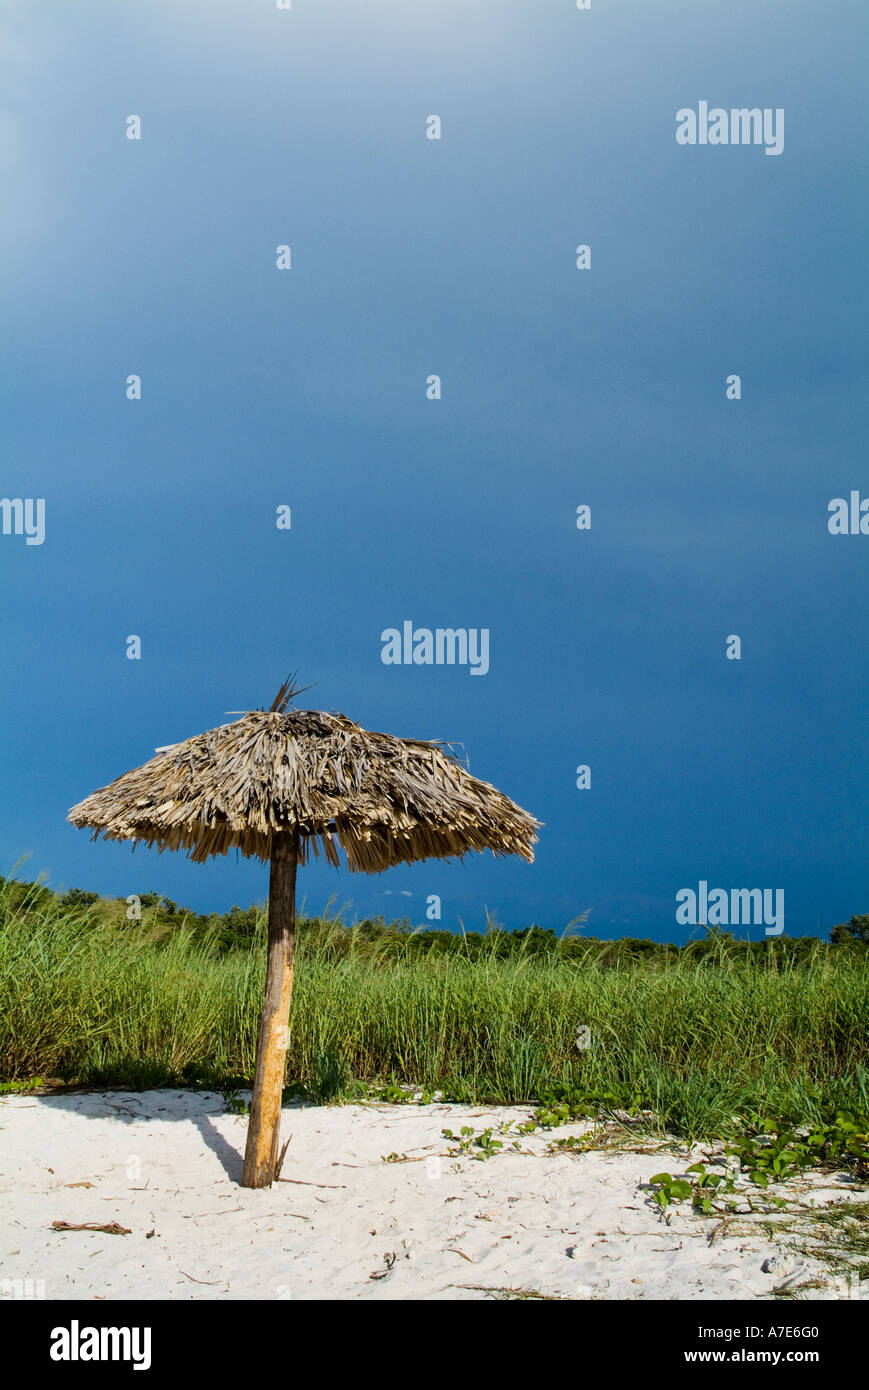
(264, 1130)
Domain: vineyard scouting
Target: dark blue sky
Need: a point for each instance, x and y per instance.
(709, 517)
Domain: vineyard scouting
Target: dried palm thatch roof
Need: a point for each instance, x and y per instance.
(384, 800)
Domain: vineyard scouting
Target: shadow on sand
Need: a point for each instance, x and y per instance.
(197, 1108)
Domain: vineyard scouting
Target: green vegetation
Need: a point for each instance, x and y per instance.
(857, 929)
(838, 1235)
(691, 1040)
(479, 1146)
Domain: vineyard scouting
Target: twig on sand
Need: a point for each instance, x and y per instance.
(499, 1291)
(197, 1215)
(389, 1261)
(112, 1229)
(199, 1281)
(280, 1163)
(303, 1183)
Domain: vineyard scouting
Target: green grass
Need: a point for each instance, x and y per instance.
(697, 1038)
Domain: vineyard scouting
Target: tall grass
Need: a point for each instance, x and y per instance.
(694, 1040)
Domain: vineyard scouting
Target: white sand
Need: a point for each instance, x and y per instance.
(167, 1165)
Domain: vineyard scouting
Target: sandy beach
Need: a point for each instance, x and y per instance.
(347, 1221)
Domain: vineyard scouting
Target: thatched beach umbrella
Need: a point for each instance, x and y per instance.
(277, 784)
